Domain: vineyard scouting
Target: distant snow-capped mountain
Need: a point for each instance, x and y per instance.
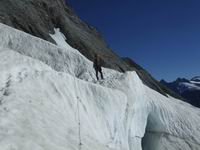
(188, 89)
(196, 80)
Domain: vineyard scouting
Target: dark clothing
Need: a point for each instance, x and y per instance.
(99, 70)
(97, 66)
(97, 63)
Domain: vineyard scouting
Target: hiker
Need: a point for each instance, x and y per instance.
(97, 64)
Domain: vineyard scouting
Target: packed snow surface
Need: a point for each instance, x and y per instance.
(47, 90)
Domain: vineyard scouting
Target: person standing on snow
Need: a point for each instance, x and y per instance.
(97, 64)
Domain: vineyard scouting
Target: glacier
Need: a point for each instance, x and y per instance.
(50, 100)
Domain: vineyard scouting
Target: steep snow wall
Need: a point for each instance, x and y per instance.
(42, 85)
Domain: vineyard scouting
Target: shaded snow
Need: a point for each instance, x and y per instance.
(41, 84)
(196, 82)
(197, 78)
(189, 86)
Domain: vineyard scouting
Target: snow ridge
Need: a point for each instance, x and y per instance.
(40, 84)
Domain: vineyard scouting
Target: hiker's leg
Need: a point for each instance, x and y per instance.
(101, 73)
(97, 74)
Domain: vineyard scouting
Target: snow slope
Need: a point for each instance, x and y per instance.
(43, 85)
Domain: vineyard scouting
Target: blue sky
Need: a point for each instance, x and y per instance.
(163, 36)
